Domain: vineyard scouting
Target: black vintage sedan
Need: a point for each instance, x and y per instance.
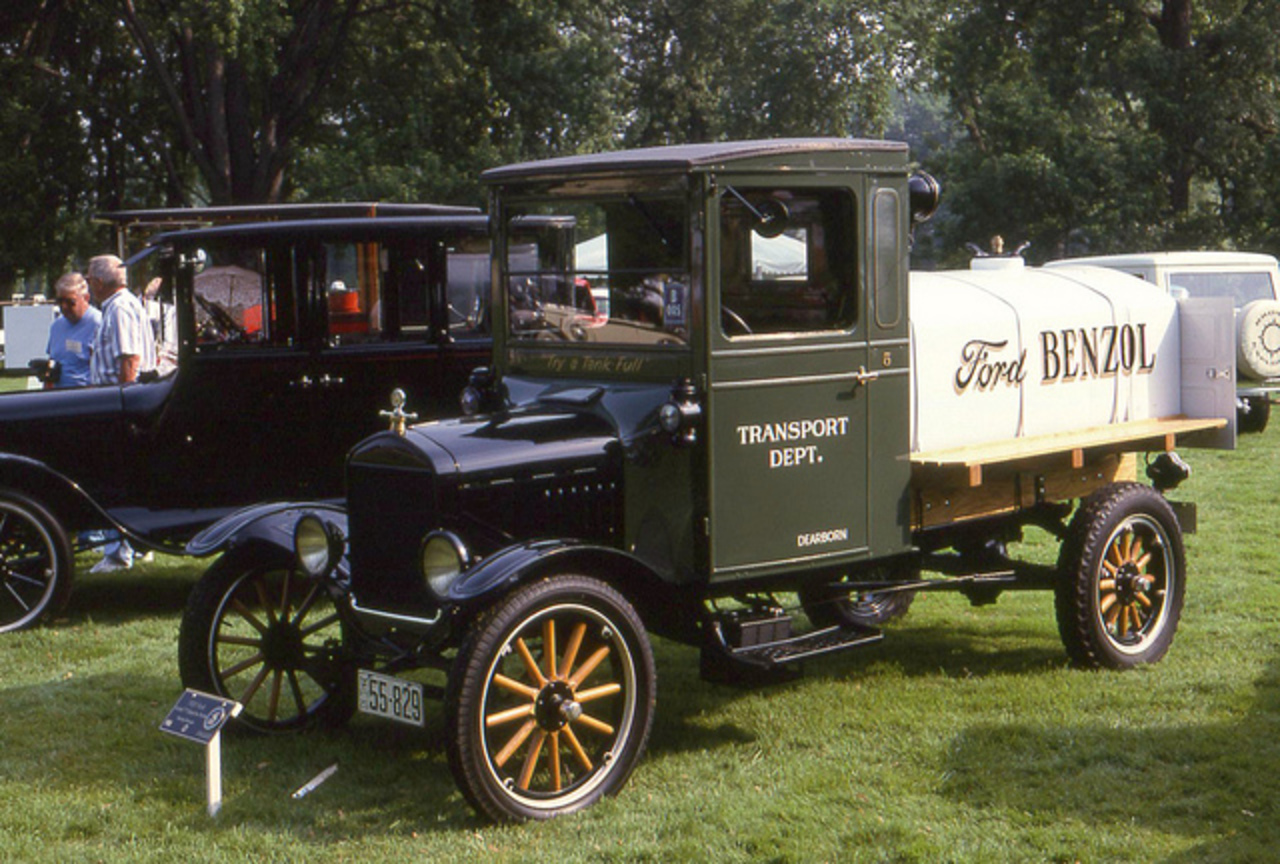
(278, 344)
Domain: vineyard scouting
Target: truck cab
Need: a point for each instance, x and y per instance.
(699, 421)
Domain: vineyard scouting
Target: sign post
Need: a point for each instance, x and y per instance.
(199, 717)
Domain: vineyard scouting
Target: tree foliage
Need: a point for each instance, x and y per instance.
(1110, 124)
(1096, 125)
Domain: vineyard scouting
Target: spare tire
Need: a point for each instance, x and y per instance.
(1258, 340)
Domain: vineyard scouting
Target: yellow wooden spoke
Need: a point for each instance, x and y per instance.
(1106, 584)
(598, 692)
(1112, 616)
(515, 686)
(1144, 600)
(1142, 562)
(589, 666)
(531, 760)
(532, 665)
(594, 724)
(576, 747)
(1135, 615)
(549, 646)
(509, 715)
(1107, 602)
(571, 650)
(555, 762)
(513, 745)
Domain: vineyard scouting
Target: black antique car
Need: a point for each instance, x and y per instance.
(277, 344)
(698, 423)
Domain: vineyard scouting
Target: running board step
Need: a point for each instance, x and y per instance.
(813, 644)
(772, 662)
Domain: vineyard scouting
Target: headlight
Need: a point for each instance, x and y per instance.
(444, 557)
(311, 545)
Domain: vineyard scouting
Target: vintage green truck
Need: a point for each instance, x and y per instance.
(721, 411)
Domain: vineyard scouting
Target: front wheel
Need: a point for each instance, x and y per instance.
(35, 563)
(1123, 579)
(550, 700)
(260, 631)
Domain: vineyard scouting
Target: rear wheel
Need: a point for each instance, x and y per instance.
(260, 631)
(1123, 579)
(842, 604)
(35, 563)
(1254, 414)
(550, 700)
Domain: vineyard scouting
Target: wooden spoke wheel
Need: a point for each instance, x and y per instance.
(35, 563)
(550, 700)
(261, 632)
(1124, 579)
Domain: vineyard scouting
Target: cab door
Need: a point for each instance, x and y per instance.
(789, 375)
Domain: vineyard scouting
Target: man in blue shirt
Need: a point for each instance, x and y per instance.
(72, 333)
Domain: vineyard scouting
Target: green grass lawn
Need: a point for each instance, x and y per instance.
(962, 737)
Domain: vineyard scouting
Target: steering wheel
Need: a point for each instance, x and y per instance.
(730, 320)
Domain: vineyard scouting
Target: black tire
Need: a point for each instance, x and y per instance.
(287, 670)
(35, 563)
(1255, 414)
(1123, 579)
(832, 606)
(521, 745)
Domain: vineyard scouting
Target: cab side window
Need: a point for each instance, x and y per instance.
(382, 292)
(788, 262)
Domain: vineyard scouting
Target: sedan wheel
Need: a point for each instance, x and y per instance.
(35, 563)
(261, 632)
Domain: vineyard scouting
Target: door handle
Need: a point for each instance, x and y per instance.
(862, 376)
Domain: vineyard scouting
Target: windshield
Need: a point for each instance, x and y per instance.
(602, 270)
(1242, 287)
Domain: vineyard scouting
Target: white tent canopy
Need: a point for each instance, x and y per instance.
(772, 257)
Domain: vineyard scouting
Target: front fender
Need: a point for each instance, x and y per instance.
(524, 562)
(269, 523)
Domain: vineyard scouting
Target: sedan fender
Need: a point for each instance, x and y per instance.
(268, 523)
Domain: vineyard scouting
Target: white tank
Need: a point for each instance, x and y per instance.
(1000, 352)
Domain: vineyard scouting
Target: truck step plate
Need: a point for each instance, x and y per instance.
(813, 644)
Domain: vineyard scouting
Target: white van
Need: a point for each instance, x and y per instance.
(1252, 281)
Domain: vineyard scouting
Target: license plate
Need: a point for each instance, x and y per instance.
(393, 698)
